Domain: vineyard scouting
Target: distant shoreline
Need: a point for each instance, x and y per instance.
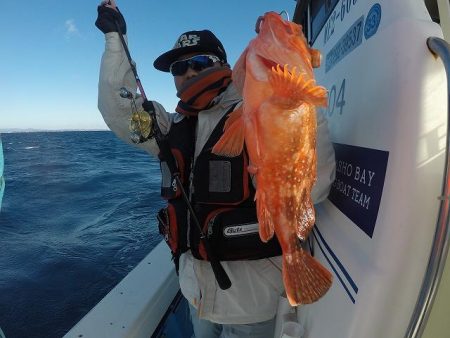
(14, 130)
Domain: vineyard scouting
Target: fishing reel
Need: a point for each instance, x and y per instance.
(141, 122)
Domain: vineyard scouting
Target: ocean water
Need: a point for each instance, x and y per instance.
(78, 214)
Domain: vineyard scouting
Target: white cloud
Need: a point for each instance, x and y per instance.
(71, 28)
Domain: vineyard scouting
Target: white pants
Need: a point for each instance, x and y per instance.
(206, 329)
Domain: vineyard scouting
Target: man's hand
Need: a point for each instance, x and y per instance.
(148, 106)
(108, 15)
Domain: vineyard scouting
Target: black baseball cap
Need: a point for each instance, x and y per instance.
(191, 42)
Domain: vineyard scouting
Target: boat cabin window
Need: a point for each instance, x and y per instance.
(320, 11)
(433, 9)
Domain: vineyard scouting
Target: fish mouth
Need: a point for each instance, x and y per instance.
(262, 67)
(267, 63)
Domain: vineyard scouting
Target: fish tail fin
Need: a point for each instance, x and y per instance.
(291, 88)
(305, 279)
(266, 228)
(232, 141)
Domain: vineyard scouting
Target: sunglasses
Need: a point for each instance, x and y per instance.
(197, 63)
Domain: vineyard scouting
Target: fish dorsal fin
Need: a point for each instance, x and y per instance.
(290, 88)
(232, 141)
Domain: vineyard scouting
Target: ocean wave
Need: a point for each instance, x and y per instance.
(78, 214)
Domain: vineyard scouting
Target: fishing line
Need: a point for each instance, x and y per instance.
(221, 276)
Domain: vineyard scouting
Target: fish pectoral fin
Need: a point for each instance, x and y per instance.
(239, 70)
(290, 88)
(266, 227)
(232, 141)
(234, 117)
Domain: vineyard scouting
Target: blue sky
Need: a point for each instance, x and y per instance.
(51, 50)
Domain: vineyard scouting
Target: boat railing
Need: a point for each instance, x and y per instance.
(440, 245)
(134, 307)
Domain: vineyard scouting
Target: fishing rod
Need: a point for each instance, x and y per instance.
(221, 276)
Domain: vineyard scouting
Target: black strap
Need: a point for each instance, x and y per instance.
(166, 154)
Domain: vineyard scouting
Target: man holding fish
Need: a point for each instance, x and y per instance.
(226, 156)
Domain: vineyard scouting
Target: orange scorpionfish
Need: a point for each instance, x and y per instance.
(277, 121)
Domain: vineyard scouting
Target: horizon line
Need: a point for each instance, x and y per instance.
(31, 130)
